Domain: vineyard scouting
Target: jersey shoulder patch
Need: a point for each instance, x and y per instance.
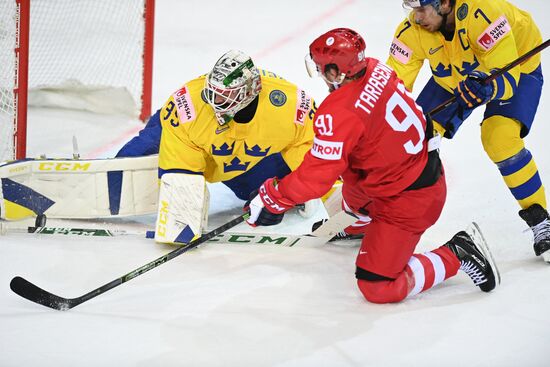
(304, 104)
(494, 33)
(327, 150)
(184, 105)
(277, 97)
(462, 12)
(400, 51)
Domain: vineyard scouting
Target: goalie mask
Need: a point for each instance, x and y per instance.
(232, 84)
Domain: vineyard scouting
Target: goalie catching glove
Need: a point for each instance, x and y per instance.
(267, 206)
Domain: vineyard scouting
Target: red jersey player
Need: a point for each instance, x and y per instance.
(370, 132)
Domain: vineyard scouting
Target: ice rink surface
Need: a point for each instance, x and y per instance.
(252, 305)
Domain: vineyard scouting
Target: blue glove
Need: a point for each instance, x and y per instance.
(472, 92)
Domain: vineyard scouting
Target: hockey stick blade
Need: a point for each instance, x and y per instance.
(35, 294)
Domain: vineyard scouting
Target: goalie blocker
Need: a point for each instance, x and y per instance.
(183, 208)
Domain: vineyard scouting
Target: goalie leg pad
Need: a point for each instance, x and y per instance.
(20, 201)
(90, 188)
(182, 211)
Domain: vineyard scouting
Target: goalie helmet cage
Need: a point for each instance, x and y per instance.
(94, 55)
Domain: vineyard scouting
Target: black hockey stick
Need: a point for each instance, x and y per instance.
(496, 74)
(33, 293)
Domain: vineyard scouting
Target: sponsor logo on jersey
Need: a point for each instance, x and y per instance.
(184, 104)
(277, 98)
(327, 150)
(400, 51)
(303, 105)
(494, 33)
(300, 117)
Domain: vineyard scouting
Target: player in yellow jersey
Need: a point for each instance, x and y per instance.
(238, 124)
(464, 41)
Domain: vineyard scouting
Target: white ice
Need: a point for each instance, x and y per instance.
(238, 305)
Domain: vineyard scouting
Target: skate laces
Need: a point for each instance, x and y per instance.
(473, 271)
(541, 231)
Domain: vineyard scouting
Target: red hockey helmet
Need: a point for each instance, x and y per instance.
(341, 47)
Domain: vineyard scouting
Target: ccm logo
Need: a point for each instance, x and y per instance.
(267, 201)
(328, 150)
(58, 166)
(162, 219)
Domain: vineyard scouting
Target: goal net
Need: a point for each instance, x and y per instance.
(93, 55)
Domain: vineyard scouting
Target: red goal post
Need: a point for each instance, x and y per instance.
(94, 55)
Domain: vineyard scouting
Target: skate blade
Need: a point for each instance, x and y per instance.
(475, 232)
(546, 256)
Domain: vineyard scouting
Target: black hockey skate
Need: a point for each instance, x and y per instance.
(475, 258)
(538, 219)
(343, 235)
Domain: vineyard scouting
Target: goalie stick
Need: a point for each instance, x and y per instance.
(33, 293)
(283, 240)
(323, 228)
(7, 227)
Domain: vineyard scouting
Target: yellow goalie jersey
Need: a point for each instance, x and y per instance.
(238, 154)
(488, 35)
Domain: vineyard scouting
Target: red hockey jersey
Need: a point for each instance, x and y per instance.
(371, 133)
